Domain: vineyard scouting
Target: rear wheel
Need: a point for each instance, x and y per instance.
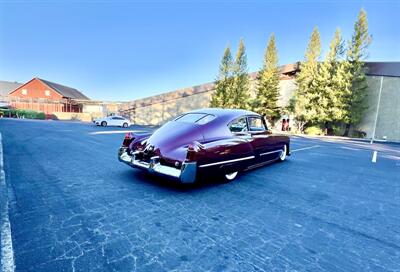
(125, 125)
(282, 156)
(104, 124)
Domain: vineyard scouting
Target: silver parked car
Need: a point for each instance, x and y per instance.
(116, 121)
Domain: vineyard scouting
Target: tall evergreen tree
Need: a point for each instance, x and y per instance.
(224, 81)
(332, 83)
(267, 95)
(240, 92)
(307, 94)
(356, 54)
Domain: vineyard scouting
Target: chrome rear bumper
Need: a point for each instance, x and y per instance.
(186, 174)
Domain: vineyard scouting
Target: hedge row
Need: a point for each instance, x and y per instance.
(16, 113)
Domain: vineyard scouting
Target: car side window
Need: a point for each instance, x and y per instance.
(239, 125)
(256, 124)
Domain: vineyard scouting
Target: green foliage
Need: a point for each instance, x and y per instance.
(314, 130)
(330, 93)
(19, 113)
(41, 115)
(333, 91)
(239, 94)
(337, 130)
(360, 39)
(232, 85)
(223, 82)
(297, 106)
(332, 84)
(307, 96)
(356, 54)
(267, 96)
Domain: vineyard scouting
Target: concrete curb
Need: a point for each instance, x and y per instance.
(7, 254)
(342, 138)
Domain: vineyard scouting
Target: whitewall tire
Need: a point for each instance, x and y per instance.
(231, 176)
(282, 156)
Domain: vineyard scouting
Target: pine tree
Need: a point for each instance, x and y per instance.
(239, 94)
(224, 81)
(267, 96)
(356, 54)
(332, 83)
(307, 97)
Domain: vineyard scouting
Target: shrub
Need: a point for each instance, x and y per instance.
(28, 114)
(359, 134)
(314, 130)
(41, 115)
(337, 130)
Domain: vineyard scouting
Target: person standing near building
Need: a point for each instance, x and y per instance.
(287, 128)
(283, 124)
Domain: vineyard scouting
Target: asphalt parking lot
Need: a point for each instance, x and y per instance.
(74, 207)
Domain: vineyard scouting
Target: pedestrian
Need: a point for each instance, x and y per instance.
(283, 124)
(287, 125)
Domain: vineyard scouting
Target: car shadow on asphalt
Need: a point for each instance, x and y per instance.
(136, 176)
(205, 183)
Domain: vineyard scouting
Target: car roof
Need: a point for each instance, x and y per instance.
(219, 112)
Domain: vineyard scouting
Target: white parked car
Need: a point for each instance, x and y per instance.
(116, 121)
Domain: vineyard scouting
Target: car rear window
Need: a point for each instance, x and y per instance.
(195, 118)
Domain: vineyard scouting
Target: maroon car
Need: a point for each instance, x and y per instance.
(205, 142)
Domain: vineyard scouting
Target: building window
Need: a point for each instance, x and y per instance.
(24, 91)
(47, 92)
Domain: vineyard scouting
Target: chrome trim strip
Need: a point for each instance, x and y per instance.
(275, 151)
(166, 170)
(140, 163)
(260, 136)
(125, 158)
(223, 162)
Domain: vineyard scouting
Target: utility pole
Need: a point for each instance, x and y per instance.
(377, 111)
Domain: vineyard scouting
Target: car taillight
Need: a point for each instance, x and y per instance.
(192, 150)
(128, 139)
(191, 147)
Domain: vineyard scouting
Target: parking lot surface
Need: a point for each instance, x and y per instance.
(74, 207)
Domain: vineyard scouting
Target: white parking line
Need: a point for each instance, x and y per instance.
(114, 132)
(350, 148)
(391, 157)
(304, 148)
(375, 154)
(7, 252)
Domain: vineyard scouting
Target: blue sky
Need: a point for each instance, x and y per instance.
(124, 50)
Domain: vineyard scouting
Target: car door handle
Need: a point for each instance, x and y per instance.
(243, 135)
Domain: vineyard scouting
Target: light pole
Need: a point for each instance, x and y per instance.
(377, 111)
